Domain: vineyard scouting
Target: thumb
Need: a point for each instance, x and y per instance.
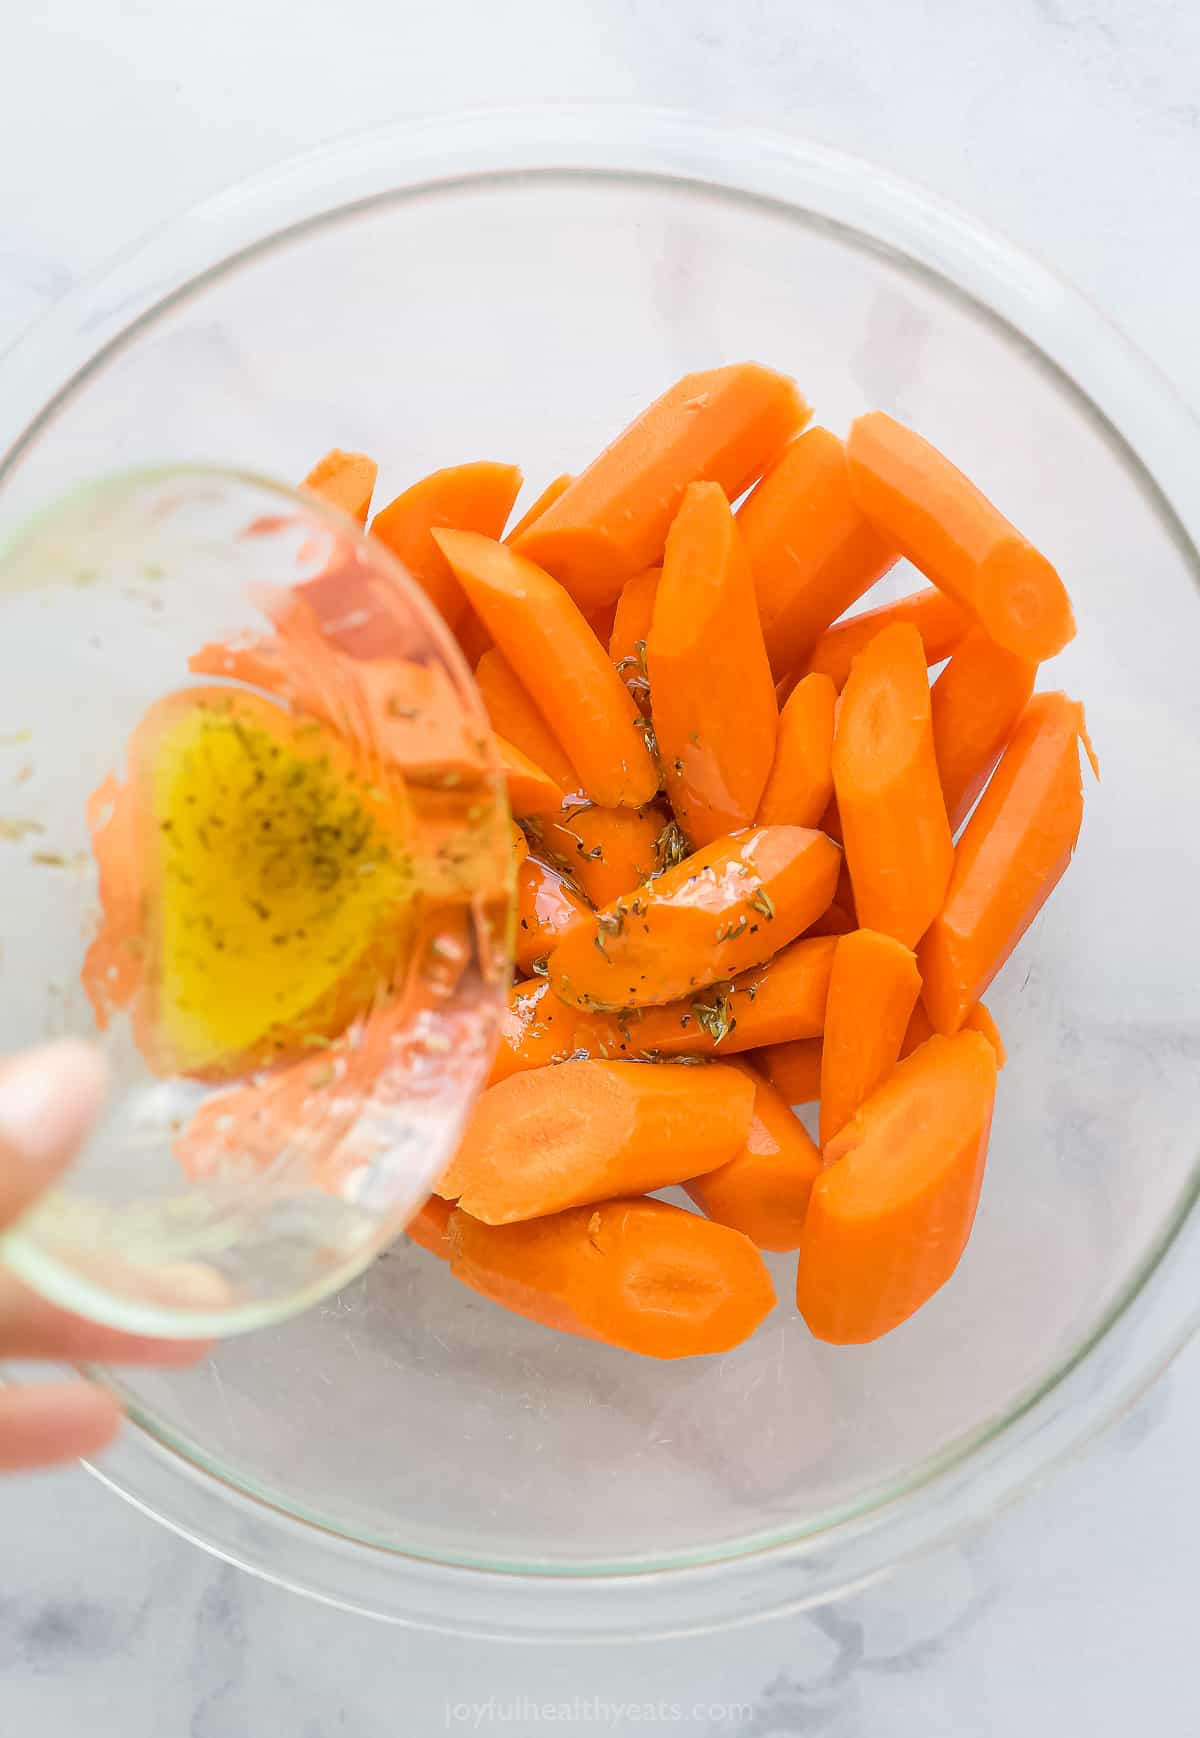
(49, 1098)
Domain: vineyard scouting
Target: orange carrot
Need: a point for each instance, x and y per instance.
(515, 717)
(631, 630)
(530, 790)
(725, 425)
(635, 1273)
(940, 622)
(520, 846)
(430, 1227)
(588, 1131)
(897, 838)
(812, 551)
(872, 992)
(801, 782)
(546, 499)
(345, 480)
(763, 1191)
(475, 497)
(794, 1069)
(890, 1215)
(975, 703)
(836, 921)
(947, 528)
(1010, 858)
(555, 653)
(719, 912)
(608, 851)
(978, 1019)
(772, 1004)
(473, 638)
(705, 642)
(547, 910)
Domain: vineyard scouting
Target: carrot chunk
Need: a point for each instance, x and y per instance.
(873, 989)
(533, 513)
(801, 782)
(631, 631)
(530, 790)
(897, 838)
(345, 480)
(794, 1069)
(890, 1215)
(763, 1191)
(725, 425)
(940, 621)
(552, 649)
(812, 550)
(952, 532)
(719, 912)
(975, 705)
(474, 497)
(716, 753)
(609, 852)
(516, 718)
(1012, 854)
(636, 1273)
(430, 1226)
(547, 910)
(588, 1131)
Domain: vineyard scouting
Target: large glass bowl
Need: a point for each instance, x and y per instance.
(514, 286)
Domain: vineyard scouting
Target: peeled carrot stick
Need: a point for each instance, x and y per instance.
(940, 621)
(763, 1190)
(1010, 858)
(588, 1131)
(951, 531)
(772, 1004)
(635, 1273)
(631, 630)
(546, 499)
(430, 1226)
(345, 480)
(897, 839)
(608, 851)
(555, 653)
(978, 1019)
(794, 1069)
(547, 910)
(530, 790)
(476, 497)
(812, 550)
(713, 698)
(515, 717)
(890, 1215)
(801, 782)
(725, 425)
(873, 990)
(719, 912)
(975, 704)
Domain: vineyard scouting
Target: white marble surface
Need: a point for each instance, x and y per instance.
(1074, 126)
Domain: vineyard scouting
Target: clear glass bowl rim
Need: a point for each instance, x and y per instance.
(1130, 403)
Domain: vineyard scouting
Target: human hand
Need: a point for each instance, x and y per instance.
(48, 1099)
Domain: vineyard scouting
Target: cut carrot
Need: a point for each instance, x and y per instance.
(555, 653)
(951, 531)
(978, 1019)
(473, 638)
(345, 480)
(547, 910)
(547, 498)
(631, 630)
(801, 782)
(602, 621)
(515, 717)
(430, 1226)
(975, 704)
(476, 497)
(1012, 854)
(588, 1131)
(725, 426)
(763, 1191)
(836, 921)
(716, 754)
(530, 790)
(940, 622)
(794, 1069)
(873, 990)
(636, 1273)
(812, 551)
(897, 839)
(890, 1215)
(772, 1004)
(609, 852)
(719, 912)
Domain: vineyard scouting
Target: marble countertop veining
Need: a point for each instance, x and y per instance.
(1074, 127)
